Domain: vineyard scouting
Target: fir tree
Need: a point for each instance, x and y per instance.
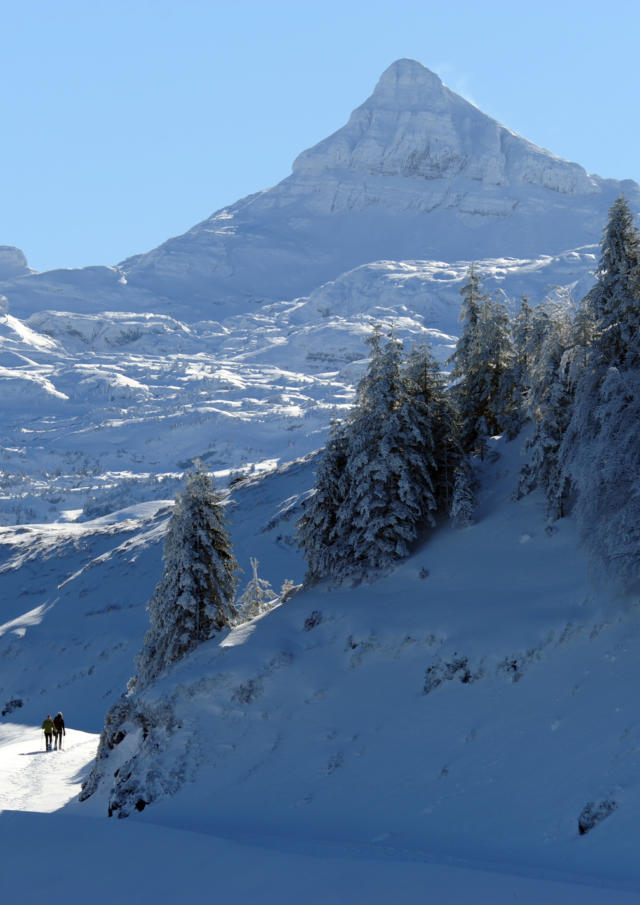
(549, 398)
(591, 410)
(436, 418)
(317, 532)
(521, 367)
(473, 297)
(257, 598)
(379, 506)
(463, 501)
(193, 600)
(614, 299)
(385, 471)
(482, 365)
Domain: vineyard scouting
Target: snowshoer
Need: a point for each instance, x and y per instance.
(47, 728)
(58, 730)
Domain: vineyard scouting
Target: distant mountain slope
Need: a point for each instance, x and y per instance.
(105, 409)
(417, 173)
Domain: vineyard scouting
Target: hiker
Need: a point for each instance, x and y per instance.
(47, 728)
(58, 730)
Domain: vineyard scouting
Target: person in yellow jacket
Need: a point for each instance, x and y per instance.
(47, 728)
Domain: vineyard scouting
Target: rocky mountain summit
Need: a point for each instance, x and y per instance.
(417, 173)
(415, 127)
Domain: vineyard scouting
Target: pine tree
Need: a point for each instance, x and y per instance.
(482, 363)
(521, 367)
(550, 399)
(463, 501)
(257, 598)
(436, 419)
(473, 298)
(385, 471)
(193, 600)
(317, 532)
(379, 506)
(598, 453)
(614, 299)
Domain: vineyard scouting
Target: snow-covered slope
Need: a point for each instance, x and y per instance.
(90, 398)
(466, 708)
(446, 726)
(470, 705)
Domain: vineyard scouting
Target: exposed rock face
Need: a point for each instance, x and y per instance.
(413, 126)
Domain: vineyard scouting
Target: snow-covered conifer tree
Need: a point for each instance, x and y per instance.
(586, 401)
(379, 509)
(385, 471)
(194, 598)
(521, 331)
(316, 530)
(257, 598)
(614, 299)
(432, 410)
(549, 402)
(377, 484)
(463, 500)
(482, 365)
(473, 297)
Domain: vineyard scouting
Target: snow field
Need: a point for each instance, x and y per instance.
(37, 780)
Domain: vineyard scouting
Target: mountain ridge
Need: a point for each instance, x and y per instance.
(417, 173)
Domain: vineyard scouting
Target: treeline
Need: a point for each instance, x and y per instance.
(404, 454)
(387, 469)
(583, 395)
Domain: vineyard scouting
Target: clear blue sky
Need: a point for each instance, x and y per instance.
(124, 123)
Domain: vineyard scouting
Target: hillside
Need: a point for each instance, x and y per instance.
(465, 723)
(462, 711)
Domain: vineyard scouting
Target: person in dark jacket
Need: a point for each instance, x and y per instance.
(47, 728)
(58, 730)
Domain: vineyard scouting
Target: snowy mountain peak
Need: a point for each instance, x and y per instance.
(413, 126)
(407, 83)
(417, 173)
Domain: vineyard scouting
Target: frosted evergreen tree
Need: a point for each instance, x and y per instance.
(585, 399)
(482, 363)
(317, 533)
(497, 348)
(257, 598)
(380, 508)
(463, 501)
(194, 599)
(614, 299)
(378, 483)
(473, 298)
(437, 422)
(465, 362)
(550, 399)
(603, 465)
(521, 366)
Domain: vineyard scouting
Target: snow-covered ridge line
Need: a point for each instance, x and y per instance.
(89, 397)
